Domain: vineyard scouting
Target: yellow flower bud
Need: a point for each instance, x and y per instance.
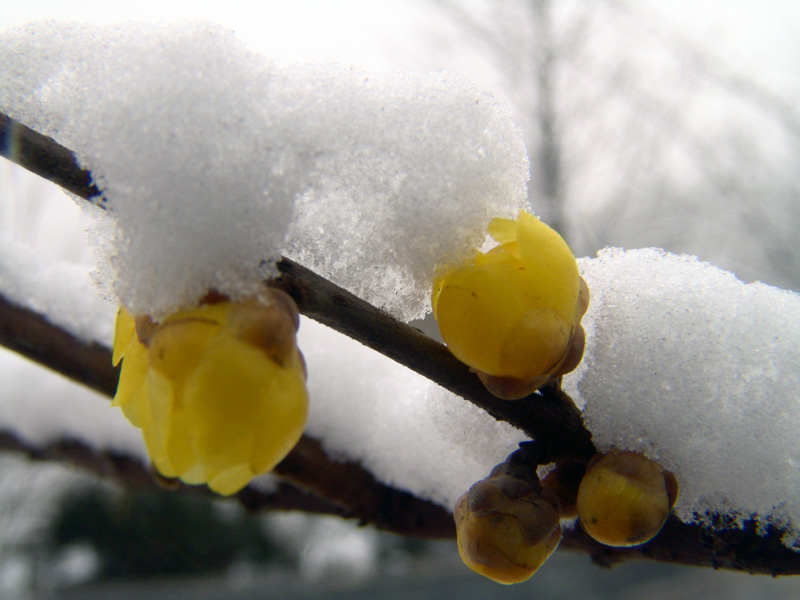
(218, 390)
(624, 499)
(513, 313)
(507, 528)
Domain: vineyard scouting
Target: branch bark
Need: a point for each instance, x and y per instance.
(45, 157)
(131, 472)
(30, 334)
(549, 416)
(346, 488)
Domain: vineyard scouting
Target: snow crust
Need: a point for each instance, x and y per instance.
(700, 372)
(202, 148)
(172, 122)
(406, 430)
(50, 288)
(45, 263)
(412, 168)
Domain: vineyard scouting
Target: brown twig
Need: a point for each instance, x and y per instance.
(349, 485)
(133, 473)
(29, 333)
(45, 157)
(729, 548)
(550, 416)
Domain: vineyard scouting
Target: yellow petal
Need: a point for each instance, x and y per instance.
(475, 310)
(503, 230)
(550, 264)
(156, 421)
(134, 399)
(535, 344)
(507, 254)
(242, 408)
(231, 480)
(221, 399)
(285, 410)
(124, 328)
(132, 375)
(177, 346)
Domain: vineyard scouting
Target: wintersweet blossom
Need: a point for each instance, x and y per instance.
(513, 313)
(218, 390)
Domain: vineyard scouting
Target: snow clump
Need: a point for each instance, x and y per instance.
(206, 152)
(700, 372)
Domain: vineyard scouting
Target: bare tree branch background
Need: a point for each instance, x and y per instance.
(315, 482)
(606, 129)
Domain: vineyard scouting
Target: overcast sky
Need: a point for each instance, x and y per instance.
(373, 33)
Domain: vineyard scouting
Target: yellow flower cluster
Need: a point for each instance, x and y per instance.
(218, 390)
(513, 314)
(508, 524)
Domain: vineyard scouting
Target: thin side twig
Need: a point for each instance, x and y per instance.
(45, 157)
(133, 473)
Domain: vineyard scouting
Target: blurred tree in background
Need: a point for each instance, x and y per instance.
(144, 533)
(643, 133)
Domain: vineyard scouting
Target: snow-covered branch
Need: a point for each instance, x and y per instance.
(320, 485)
(348, 489)
(549, 416)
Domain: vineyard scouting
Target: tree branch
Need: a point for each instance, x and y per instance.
(729, 548)
(45, 157)
(30, 334)
(349, 485)
(550, 416)
(133, 473)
